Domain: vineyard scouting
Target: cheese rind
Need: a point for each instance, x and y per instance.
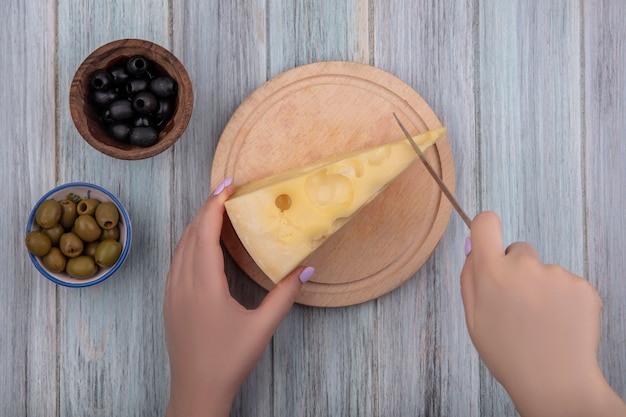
(281, 219)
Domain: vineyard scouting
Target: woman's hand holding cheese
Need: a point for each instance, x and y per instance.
(213, 342)
(536, 327)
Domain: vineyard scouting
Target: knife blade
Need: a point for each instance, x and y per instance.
(433, 173)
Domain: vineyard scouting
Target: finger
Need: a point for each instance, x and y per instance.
(203, 232)
(468, 292)
(486, 234)
(201, 240)
(175, 264)
(280, 299)
(522, 249)
(211, 215)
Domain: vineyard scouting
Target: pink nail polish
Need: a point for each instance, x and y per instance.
(468, 246)
(223, 185)
(306, 274)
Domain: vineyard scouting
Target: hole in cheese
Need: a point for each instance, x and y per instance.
(328, 190)
(283, 202)
(379, 155)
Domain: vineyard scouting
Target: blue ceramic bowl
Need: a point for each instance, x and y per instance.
(83, 190)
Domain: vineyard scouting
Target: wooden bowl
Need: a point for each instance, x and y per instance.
(86, 117)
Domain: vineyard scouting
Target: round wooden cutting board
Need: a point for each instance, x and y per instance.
(330, 108)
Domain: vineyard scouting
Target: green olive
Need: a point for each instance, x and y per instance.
(108, 252)
(38, 243)
(87, 228)
(68, 213)
(90, 249)
(48, 213)
(54, 261)
(81, 267)
(71, 245)
(113, 233)
(87, 206)
(54, 233)
(107, 215)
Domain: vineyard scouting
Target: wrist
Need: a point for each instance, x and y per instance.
(587, 394)
(605, 402)
(195, 401)
(196, 407)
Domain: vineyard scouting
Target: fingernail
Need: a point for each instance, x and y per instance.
(223, 185)
(468, 246)
(306, 274)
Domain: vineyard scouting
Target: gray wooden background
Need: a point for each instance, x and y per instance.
(533, 94)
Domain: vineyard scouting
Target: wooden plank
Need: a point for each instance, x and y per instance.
(28, 353)
(530, 139)
(223, 46)
(112, 357)
(302, 32)
(427, 365)
(324, 359)
(325, 362)
(605, 175)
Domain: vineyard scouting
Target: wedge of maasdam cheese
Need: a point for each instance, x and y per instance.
(281, 219)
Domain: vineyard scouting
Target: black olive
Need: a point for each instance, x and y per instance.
(145, 103)
(101, 79)
(120, 76)
(121, 110)
(144, 136)
(137, 65)
(164, 110)
(103, 98)
(120, 132)
(163, 86)
(136, 85)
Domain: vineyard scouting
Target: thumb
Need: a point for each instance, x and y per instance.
(468, 292)
(280, 299)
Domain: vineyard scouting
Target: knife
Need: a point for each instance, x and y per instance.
(432, 172)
